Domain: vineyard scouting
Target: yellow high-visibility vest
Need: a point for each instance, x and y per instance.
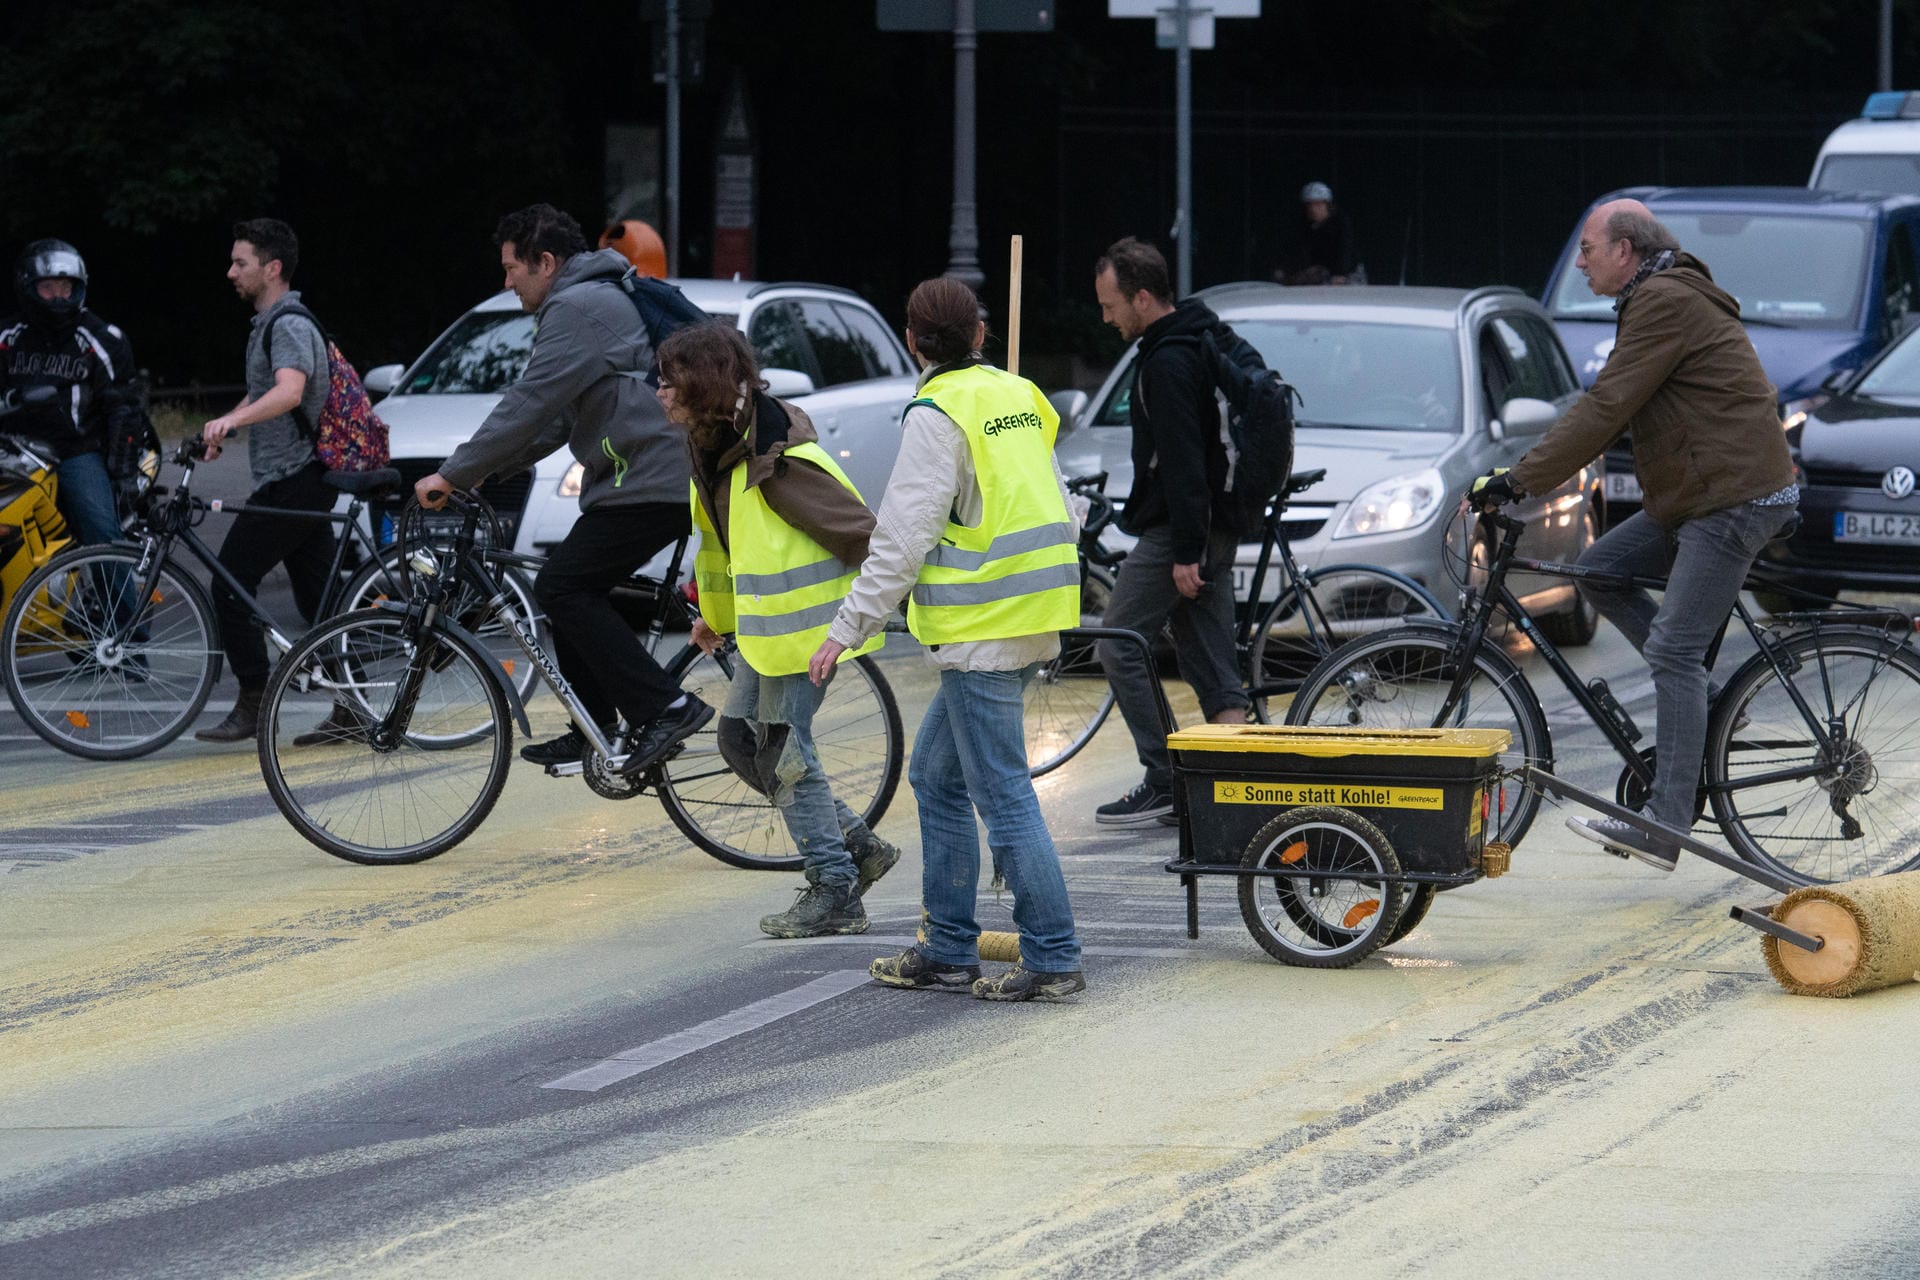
(778, 589)
(1017, 572)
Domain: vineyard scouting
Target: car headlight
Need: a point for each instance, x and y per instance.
(570, 482)
(1388, 506)
(1794, 412)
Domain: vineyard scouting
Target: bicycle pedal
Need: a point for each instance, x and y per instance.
(571, 769)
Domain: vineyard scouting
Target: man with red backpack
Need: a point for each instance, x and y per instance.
(285, 387)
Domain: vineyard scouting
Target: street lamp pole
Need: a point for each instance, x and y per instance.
(963, 234)
(1183, 147)
(673, 137)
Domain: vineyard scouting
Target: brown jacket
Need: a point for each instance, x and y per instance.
(796, 490)
(1683, 377)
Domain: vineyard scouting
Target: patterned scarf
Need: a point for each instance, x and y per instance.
(1658, 262)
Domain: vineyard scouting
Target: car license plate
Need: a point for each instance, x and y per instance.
(1888, 530)
(1623, 485)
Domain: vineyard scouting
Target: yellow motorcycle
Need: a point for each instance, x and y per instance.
(31, 527)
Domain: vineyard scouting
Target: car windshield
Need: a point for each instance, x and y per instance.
(481, 355)
(1384, 377)
(1799, 272)
(1897, 376)
(1893, 173)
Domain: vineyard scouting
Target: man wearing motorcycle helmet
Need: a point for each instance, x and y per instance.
(96, 414)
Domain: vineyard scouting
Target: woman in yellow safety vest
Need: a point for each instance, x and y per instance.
(782, 532)
(976, 525)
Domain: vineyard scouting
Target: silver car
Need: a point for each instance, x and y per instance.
(824, 347)
(1407, 395)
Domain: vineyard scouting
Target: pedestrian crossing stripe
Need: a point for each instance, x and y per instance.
(1289, 794)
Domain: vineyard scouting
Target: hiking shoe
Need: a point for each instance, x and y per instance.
(1624, 840)
(1141, 807)
(665, 732)
(569, 748)
(241, 722)
(913, 968)
(821, 909)
(1020, 983)
(873, 856)
(343, 724)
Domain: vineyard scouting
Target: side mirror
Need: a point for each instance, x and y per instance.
(785, 384)
(1069, 404)
(1525, 416)
(382, 379)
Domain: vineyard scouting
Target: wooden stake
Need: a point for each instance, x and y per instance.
(1013, 308)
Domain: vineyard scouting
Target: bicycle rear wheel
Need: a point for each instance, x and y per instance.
(401, 801)
(1855, 811)
(1069, 698)
(380, 580)
(1314, 616)
(856, 733)
(1400, 680)
(98, 674)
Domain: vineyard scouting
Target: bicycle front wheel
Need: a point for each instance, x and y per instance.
(1069, 698)
(1820, 811)
(856, 733)
(1317, 614)
(366, 798)
(1401, 679)
(98, 673)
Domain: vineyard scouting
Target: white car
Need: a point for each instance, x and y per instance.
(823, 347)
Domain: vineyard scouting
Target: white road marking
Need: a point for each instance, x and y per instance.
(902, 940)
(655, 1053)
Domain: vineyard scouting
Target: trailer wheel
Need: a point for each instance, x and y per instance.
(1330, 920)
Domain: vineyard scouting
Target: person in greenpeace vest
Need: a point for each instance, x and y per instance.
(977, 526)
(782, 533)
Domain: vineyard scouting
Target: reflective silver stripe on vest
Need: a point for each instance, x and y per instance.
(1032, 582)
(1007, 544)
(807, 575)
(786, 624)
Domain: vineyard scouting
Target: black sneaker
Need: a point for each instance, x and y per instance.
(820, 910)
(1019, 983)
(872, 855)
(1625, 840)
(663, 733)
(569, 748)
(1141, 807)
(913, 968)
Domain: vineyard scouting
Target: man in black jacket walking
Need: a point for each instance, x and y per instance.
(1181, 569)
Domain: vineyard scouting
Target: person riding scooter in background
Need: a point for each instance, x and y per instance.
(94, 424)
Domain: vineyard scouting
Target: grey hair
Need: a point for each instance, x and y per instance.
(1642, 231)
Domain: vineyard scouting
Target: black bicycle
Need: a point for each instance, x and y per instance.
(438, 711)
(112, 650)
(1812, 762)
(1276, 645)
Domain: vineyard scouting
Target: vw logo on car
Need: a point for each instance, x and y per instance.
(1897, 483)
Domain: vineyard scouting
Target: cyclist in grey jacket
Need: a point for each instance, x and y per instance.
(585, 387)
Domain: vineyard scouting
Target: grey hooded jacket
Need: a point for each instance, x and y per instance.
(584, 387)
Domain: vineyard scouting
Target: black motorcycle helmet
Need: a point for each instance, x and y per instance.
(51, 260)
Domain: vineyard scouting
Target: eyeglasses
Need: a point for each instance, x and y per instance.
(1595, 250)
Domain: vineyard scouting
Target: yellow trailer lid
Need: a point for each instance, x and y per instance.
(1302, 740)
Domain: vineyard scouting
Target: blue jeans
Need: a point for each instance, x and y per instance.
(85, 498)
(766, 736)
(971, 754)
(1144, 600)
(1705, 562)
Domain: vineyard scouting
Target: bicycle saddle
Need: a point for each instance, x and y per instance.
(1302, 480)
(366, 484)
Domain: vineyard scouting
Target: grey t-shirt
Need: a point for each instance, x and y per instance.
(278, 448)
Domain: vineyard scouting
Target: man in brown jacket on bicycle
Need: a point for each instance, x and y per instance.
(1713, 465)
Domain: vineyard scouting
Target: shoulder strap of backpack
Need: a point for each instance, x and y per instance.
(300, 419)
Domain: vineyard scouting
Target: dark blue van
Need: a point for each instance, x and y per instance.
(1825, 279)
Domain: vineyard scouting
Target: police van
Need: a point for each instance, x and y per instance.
(1878, 152)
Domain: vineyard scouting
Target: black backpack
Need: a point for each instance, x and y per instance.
(1259, 429)
(662, 307)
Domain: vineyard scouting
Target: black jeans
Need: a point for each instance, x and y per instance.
(598, 652)
(254, 545)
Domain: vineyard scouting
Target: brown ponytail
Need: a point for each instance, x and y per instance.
(943, 314)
